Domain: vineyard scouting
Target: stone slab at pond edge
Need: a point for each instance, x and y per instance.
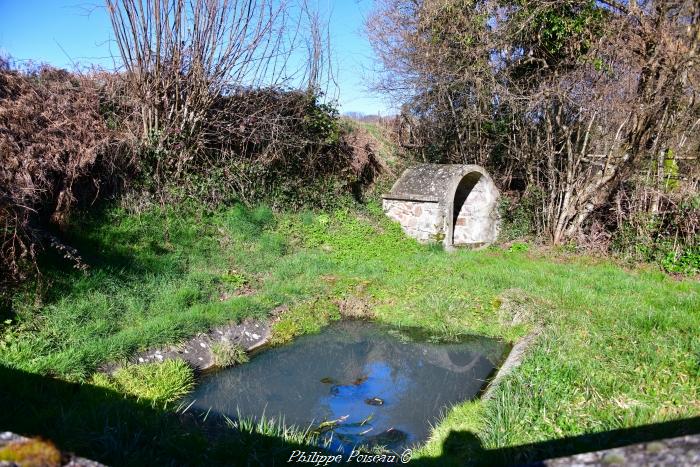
(683, 451)
(197, 351)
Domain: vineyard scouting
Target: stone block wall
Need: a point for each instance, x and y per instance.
(422, 220)
(456, 204)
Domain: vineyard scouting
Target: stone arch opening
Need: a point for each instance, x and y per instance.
(462, 192)
(473, 211)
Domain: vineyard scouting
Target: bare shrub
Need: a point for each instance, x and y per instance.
(280, 146)
(211, 80)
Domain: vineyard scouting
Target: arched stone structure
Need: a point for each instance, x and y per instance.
(450, 203)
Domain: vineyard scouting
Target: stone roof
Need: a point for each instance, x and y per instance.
(431, 182)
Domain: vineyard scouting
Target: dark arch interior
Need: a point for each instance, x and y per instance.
(463, 189)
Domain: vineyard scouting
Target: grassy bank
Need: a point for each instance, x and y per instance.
(616, 348)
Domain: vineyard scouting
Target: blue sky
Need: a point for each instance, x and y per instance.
(63, 32)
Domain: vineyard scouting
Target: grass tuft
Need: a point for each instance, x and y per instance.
(161, 383)
(304, 318)
(228, 354)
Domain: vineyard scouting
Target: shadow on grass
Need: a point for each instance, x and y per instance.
(100, 424)
(463, 447)
(121, 250)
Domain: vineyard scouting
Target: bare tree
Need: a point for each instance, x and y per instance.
(579, 99)
(181, 56)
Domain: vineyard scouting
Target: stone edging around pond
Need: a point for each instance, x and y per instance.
(197, 351)
(252, 334)
(515, 357)
(683, 451)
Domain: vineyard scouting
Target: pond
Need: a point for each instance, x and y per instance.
(359, 383)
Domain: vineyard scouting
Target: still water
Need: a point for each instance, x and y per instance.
(377, 385)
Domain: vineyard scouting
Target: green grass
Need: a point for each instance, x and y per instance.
(160, 383)
(227, 354)
(618, 348)
(252, 429)
(303, 318)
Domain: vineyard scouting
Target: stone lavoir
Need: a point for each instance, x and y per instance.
(454, 204)
(356, 383)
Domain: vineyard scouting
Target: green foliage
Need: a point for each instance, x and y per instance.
(322, 122)
(670, 170)
(250, 431)
(160, 383)
(564, 30)
(234, 279)
(519, 217)
(685, 262)
(650, 238)
(304, 318)
(110, 111)
(348, 239)
(519, 247)
(227, 354)
(325, 192)
(598, 64)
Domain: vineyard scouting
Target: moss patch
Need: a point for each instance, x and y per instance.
(31, 453)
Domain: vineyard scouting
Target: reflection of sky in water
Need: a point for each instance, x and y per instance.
(350, 400)
(331, 375)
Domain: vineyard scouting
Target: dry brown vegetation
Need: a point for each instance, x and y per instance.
(56, 148)
(207, 108)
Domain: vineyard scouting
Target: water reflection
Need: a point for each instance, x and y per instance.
(360, 382)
